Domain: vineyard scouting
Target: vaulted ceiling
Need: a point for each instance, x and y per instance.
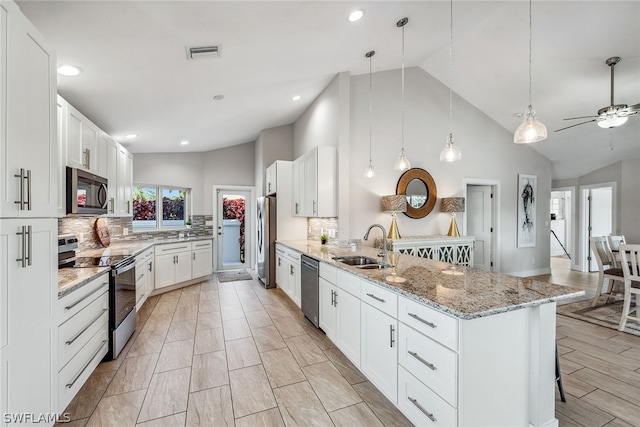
(136, 76)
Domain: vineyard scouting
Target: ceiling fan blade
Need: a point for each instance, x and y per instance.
(583, 117)
(577, 124)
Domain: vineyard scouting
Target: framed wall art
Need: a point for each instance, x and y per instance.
(527, 194)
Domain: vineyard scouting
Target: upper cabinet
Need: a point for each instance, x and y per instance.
(271, 181)
(82, 141)
(28, 140)
(315, 192)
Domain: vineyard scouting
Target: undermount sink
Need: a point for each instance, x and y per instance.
(361, 262)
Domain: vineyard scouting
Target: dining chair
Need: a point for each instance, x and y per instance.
(630, 255)
(614, 244)
(608, 274)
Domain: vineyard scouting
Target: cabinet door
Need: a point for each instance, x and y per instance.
(90, 133)
(141, 282)
(270, 181)
(75, 156)
(112, 152)
(151, 277)
(348, 325)
(328, 312)
(311, 183)
(183, 267)
(165, 270)
(28, 140)
(124, 182)
(379, 358)
(295, 281)
(202, 262)
(62, 156)
(281, 274)
(297, 187)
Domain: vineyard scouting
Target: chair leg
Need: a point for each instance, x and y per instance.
(625, 308)
(559, 376)
(599, 290)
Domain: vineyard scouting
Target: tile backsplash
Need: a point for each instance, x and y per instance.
(83, 228)
(317, 226)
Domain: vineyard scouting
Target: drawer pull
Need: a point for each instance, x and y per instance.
(202, 245)
(424, 362)
(79, 374)
(104, 310)
(69, 307)
(375, 297)
(419, 406)
(420, 319)
(173, 249)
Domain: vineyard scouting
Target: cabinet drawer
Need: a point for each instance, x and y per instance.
(433, 364)
(72, 303)
(328, 272)
(201, 244)
(430, 322)
(421, 405)
(77, 331)
(75, 374)
(172, 248)
(380, 298)
(293, 255)
(348, 282)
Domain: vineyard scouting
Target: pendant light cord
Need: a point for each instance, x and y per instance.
(529, 52)
(402, 101)
(370, 54)
(451, 69)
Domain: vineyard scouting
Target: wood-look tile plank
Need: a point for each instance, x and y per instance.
(330, 386)
(381, 406)
(564, 421)
(209, 320)
(89, 395)
(251, 304)
(617, 423)
(582, 332)
(605, 367)
(242, 353)
(318, 336)
(157, 323)
(600, 353)
(582, 412)
(185, 312)
(576, 387)
(346, 368)
(209, 370)
(269, 418)
(277, 310)
(231, 312)
(210, 407)
(75, 423)
(356, 415)
(623, 409)
(596, 341)
(167, 394)
(208, 305)
(567, 366)
(180, 330)
(258, 318)
(165, 307)
(175, 420)
(610, 385)
(305, 350)
(300, 406)
(135, 373)
(118, 410)
(281, 367)
(148, 343)
(236, 329)
(268, 338)
(288, 327)
(189, 299)
(208, 340)
(175, 355)
(250, 390)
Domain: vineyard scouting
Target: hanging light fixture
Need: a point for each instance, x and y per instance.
(531, 130)
(369, 173)
(402, 163)
(450, 153)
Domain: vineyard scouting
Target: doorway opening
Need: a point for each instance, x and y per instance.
(597, 213)
(481, 219)
(561, 239)
(235, 228)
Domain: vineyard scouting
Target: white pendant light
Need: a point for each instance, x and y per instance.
(450, 153)
(531, 130)
(369, 173)
(402, 164)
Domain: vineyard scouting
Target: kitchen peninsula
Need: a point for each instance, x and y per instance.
(449, 345)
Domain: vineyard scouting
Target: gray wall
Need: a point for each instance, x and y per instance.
(272, 144)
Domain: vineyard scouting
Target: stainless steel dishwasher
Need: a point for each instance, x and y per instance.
(309, 292)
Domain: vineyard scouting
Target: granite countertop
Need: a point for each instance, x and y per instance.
(70, 279)
(463, 292)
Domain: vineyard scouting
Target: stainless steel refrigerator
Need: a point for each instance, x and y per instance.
(266, 213)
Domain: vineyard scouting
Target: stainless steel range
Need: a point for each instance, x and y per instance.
(122, 297)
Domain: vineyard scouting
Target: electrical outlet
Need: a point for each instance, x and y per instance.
(125, 231)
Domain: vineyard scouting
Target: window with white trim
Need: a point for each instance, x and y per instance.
(156, 207)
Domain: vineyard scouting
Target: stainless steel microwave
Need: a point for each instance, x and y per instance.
(86, 192)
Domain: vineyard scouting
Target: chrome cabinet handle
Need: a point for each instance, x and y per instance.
(23, 246)
(333, 296)
(297, 211)
(76, 336)
(69, 307)
(375, 297)
(279, 261)
(128, 206)
(87, 155)
(194, 255)
(391, 331)
(291, 269)
(113, 205)
(420, 319)
(150, 265)
(79, 374)
(314, 207)
(419, 406)
(30, 243)
(21, 202)
(28, 178)
(424, 362)
(172, 249)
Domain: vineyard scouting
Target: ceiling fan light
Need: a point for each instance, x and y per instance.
(613, 121)
(530, 130)
(450, 152)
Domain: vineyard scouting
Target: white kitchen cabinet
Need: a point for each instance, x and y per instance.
(327, 308)
(379, 353)
(61, 205)
(28, 326)
(82, 140)
(111, 151)
(297, 190)
(271, 180)
(348, 325)
(202, 258)
(288, 272)
(124, 182)
(317, 183)
(282, 278)
(28, 140)
(144, 277)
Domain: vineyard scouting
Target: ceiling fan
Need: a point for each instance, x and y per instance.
(612, 115)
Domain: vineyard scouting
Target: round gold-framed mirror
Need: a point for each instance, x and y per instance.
(420, 190)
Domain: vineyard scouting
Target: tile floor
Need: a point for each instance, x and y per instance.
(237, 354)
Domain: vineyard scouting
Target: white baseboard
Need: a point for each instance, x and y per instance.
(529, 273)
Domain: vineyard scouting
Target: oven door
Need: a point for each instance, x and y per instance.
(123, 292)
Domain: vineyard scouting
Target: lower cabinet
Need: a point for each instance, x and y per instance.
(288, 272)
(83, 336)
(183, 261)
(144, 277)
(201, 258)
(328, 309)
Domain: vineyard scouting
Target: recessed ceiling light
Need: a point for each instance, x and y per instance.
(68, 70)
(356, 15)
(296, 98)
(218, 97)
(131, 135)
(184, 142)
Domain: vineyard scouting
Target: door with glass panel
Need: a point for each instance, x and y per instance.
(234, 213)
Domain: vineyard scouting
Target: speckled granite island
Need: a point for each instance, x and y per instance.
(449, 345)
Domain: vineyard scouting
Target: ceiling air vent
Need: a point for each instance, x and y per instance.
(202, 52)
